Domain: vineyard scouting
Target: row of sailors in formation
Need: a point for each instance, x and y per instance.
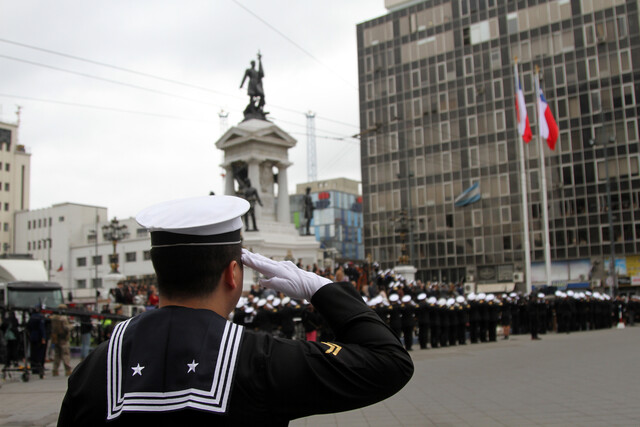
(442, 322)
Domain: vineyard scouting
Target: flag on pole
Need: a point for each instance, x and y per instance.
(468, 196)
(60, 268)
(548, 126)
(524, 129)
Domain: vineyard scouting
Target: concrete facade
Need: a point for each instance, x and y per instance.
(15, 182)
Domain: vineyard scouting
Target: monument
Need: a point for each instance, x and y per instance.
(256, 160)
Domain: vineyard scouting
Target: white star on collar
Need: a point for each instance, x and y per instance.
(192, 366)
(137, 370)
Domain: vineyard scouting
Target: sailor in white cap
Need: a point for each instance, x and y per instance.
(186, 364)
(422, 317)
(408, 321)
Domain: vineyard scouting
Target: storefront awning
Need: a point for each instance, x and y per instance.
(493, 288)
(579, 285)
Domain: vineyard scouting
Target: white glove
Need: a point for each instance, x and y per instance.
(284, 276)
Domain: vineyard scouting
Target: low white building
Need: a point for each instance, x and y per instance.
(69, 238)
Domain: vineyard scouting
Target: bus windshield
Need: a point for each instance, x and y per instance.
(32, 297)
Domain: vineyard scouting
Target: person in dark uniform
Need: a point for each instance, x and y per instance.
(287, 313)
(474, 318)
(434, 321)
(422, 316)
(395, 315)
(408, 321)
(505, 315)
(533, 309)
(185, 364)
(494, 308)
(484, 316)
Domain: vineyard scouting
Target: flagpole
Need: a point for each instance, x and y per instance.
(543, 173)
(525, 203)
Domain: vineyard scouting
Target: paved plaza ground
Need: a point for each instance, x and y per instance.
(584, 379)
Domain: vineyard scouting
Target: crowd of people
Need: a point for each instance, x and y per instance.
(437, 314)
(431, 314)
(134, 293)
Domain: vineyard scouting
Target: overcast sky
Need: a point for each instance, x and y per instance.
(102, 135)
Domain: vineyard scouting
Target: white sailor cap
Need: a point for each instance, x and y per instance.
(460, 299)
(394, 297)
(481, 295)
(491, 297)
(422, 296)
(450, 302)
(249, 310)
(512, 295)
(540, 295)
(261, 302)
(558, 293)
(442, 301)
(432, 300)
(293, 302)
(406, 298)
(241, 302)
(570, 293)
(471, 296)
(285, 300)
(206, 220)
(270, 297)
(276, 302)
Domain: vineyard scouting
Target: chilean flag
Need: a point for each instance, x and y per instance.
(524, 129)
(548, 126)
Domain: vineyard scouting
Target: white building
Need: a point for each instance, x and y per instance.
(15, 172)
(64, 237)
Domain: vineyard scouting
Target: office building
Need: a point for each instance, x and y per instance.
(437, 114)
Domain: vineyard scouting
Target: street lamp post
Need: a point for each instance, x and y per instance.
(612, 280)
(114, 232)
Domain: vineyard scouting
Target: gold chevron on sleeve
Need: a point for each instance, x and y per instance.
(333, 348)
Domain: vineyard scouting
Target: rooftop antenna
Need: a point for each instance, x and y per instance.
(312, 161)
(224, 123)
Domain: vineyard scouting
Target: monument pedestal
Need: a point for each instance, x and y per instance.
(407, 271)
(256, 153)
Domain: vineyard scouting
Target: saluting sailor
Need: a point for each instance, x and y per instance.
(186, 364)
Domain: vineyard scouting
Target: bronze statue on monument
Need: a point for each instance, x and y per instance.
(255, 90)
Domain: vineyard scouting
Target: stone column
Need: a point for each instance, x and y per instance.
(228, 181)
(254, 175)
(283, 214)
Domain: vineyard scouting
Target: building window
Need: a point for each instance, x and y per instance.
(393, 114)
(371, 142)
(146, 255)
(477, 217)
(445, 131)
(28, 246)
(81, 283)
(468, 65)
(6, 186)
(373, 174)
(478, 244)
(6, 206)
(60, 219)
(6, 167)
(81, 262)
(369, 91)
(6, 226)
(512, 23)
(96, 283)
(391, 85)
(500, 121)
(130, 256)
(472, 126)
(97, 260)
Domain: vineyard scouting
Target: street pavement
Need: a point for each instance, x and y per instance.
(582, 378)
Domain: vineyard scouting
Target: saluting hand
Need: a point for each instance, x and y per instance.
(284, 276)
